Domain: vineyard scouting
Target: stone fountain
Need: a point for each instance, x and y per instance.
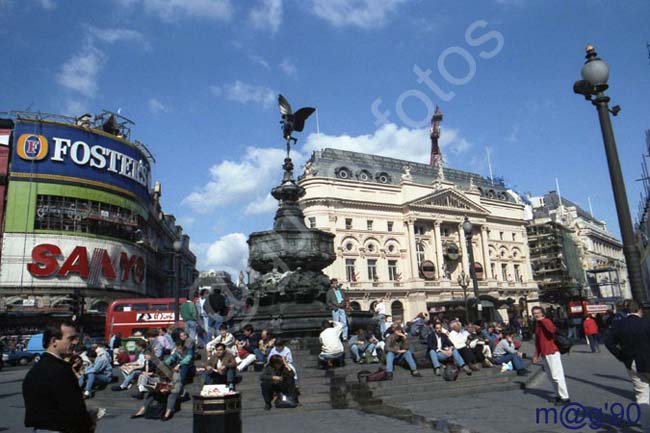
(289, 292)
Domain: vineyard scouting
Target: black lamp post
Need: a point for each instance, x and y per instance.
(177, 280)
(595, 74)
(468, 228)
(463, 281)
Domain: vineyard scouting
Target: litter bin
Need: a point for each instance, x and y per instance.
(217, 414)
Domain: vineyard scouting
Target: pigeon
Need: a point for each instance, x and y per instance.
(292, 121)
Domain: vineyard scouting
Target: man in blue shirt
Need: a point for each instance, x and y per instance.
(335, 299)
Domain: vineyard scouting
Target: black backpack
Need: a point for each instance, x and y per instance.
(450, 373)
(562, 341)
(217, 303)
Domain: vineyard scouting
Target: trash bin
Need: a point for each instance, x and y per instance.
(217, 414)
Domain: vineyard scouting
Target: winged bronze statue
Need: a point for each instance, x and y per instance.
(292, 121)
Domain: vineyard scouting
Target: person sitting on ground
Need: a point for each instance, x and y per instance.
(221, 368)
(266, 343)
(77, 366)
(491, 334)
(479, 345)
(397, 324)
(281, 349)
(154, 343)
(165, 341)
(132, 370)
(458, 338)
(440, 348)
(277, 378)
(330, 341)
(225, 338)
(416, 325)
(185, 366)
(362, 346)
(251, 342)
(506, 352)
(100, 371)
(178, 360)
(244, 358)
(397, 350)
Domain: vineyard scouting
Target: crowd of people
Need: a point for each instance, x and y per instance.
(165, 361)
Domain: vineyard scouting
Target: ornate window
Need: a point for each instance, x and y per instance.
(419, 253)
(350, 273)
(383, 177)
(343, 173)
(393, 275)
(372, 270)
(364, 176)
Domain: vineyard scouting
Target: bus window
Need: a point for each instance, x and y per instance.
(122, 308)
(159, 307)
(140, 307)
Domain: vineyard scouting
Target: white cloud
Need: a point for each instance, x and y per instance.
(186, 221)
(234, 182)
(267, 204)
(246, 93)
(75, 108)
(80, 72)
(392, 141)
(47, 4)
(171, 10)
(229, 253)
(267, 15)
(365, 14)
(259, 60)
(289, 68)
(112, 35)
(156, 106)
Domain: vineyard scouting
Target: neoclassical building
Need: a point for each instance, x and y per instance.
(399, 235)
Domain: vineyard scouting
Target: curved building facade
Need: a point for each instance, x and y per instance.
(82, 225)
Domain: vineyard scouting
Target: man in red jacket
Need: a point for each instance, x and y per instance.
(546, 347)
(591, 332)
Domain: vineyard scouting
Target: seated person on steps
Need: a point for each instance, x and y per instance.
(277, 378)
(362, 346)
(506, 352)
(221, 368)
(397, 350)
(440, 348)
(330, 340)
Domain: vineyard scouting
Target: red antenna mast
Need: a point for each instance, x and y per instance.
(436, 154)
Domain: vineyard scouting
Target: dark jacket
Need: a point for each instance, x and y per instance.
(268, 373)
(332, 303)
(53, 399)
(632, 337)
(432, 342)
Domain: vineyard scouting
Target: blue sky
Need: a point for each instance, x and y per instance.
(200, 78)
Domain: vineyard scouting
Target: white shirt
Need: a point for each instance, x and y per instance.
(458, 339)
(380, 308)
(202, 311)
(330, 340)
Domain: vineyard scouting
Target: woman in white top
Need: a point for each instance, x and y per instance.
(380, 311)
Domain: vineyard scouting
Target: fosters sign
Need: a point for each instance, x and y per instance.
(67, 153)
(70, 261)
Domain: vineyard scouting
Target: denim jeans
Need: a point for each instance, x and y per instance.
(128, 378)
(392, 357)
(382, 323)
(593, 342)
(517, 363)
(259, 355)
(358, 351)
(339, 316)
(190, 328)
(436, 357)
(91, 378)
(215, 322)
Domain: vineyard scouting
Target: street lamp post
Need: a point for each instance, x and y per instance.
(468, 228)
(177, 280)
(595, 74)
(463, 281)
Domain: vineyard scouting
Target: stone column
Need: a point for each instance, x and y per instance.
(463, 249)
(486, 252)
(439, 258)
(410, 225)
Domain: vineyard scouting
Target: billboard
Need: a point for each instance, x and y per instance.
(66, 153)
(39, 260)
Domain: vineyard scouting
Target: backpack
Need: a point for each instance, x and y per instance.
(362, 376)
(450, 373)
(562, 341)
(377, 376)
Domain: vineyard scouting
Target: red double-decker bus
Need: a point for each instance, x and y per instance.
(128, 316)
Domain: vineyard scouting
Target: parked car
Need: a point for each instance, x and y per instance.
(32, 352)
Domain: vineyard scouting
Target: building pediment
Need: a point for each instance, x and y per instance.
(448, 200)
